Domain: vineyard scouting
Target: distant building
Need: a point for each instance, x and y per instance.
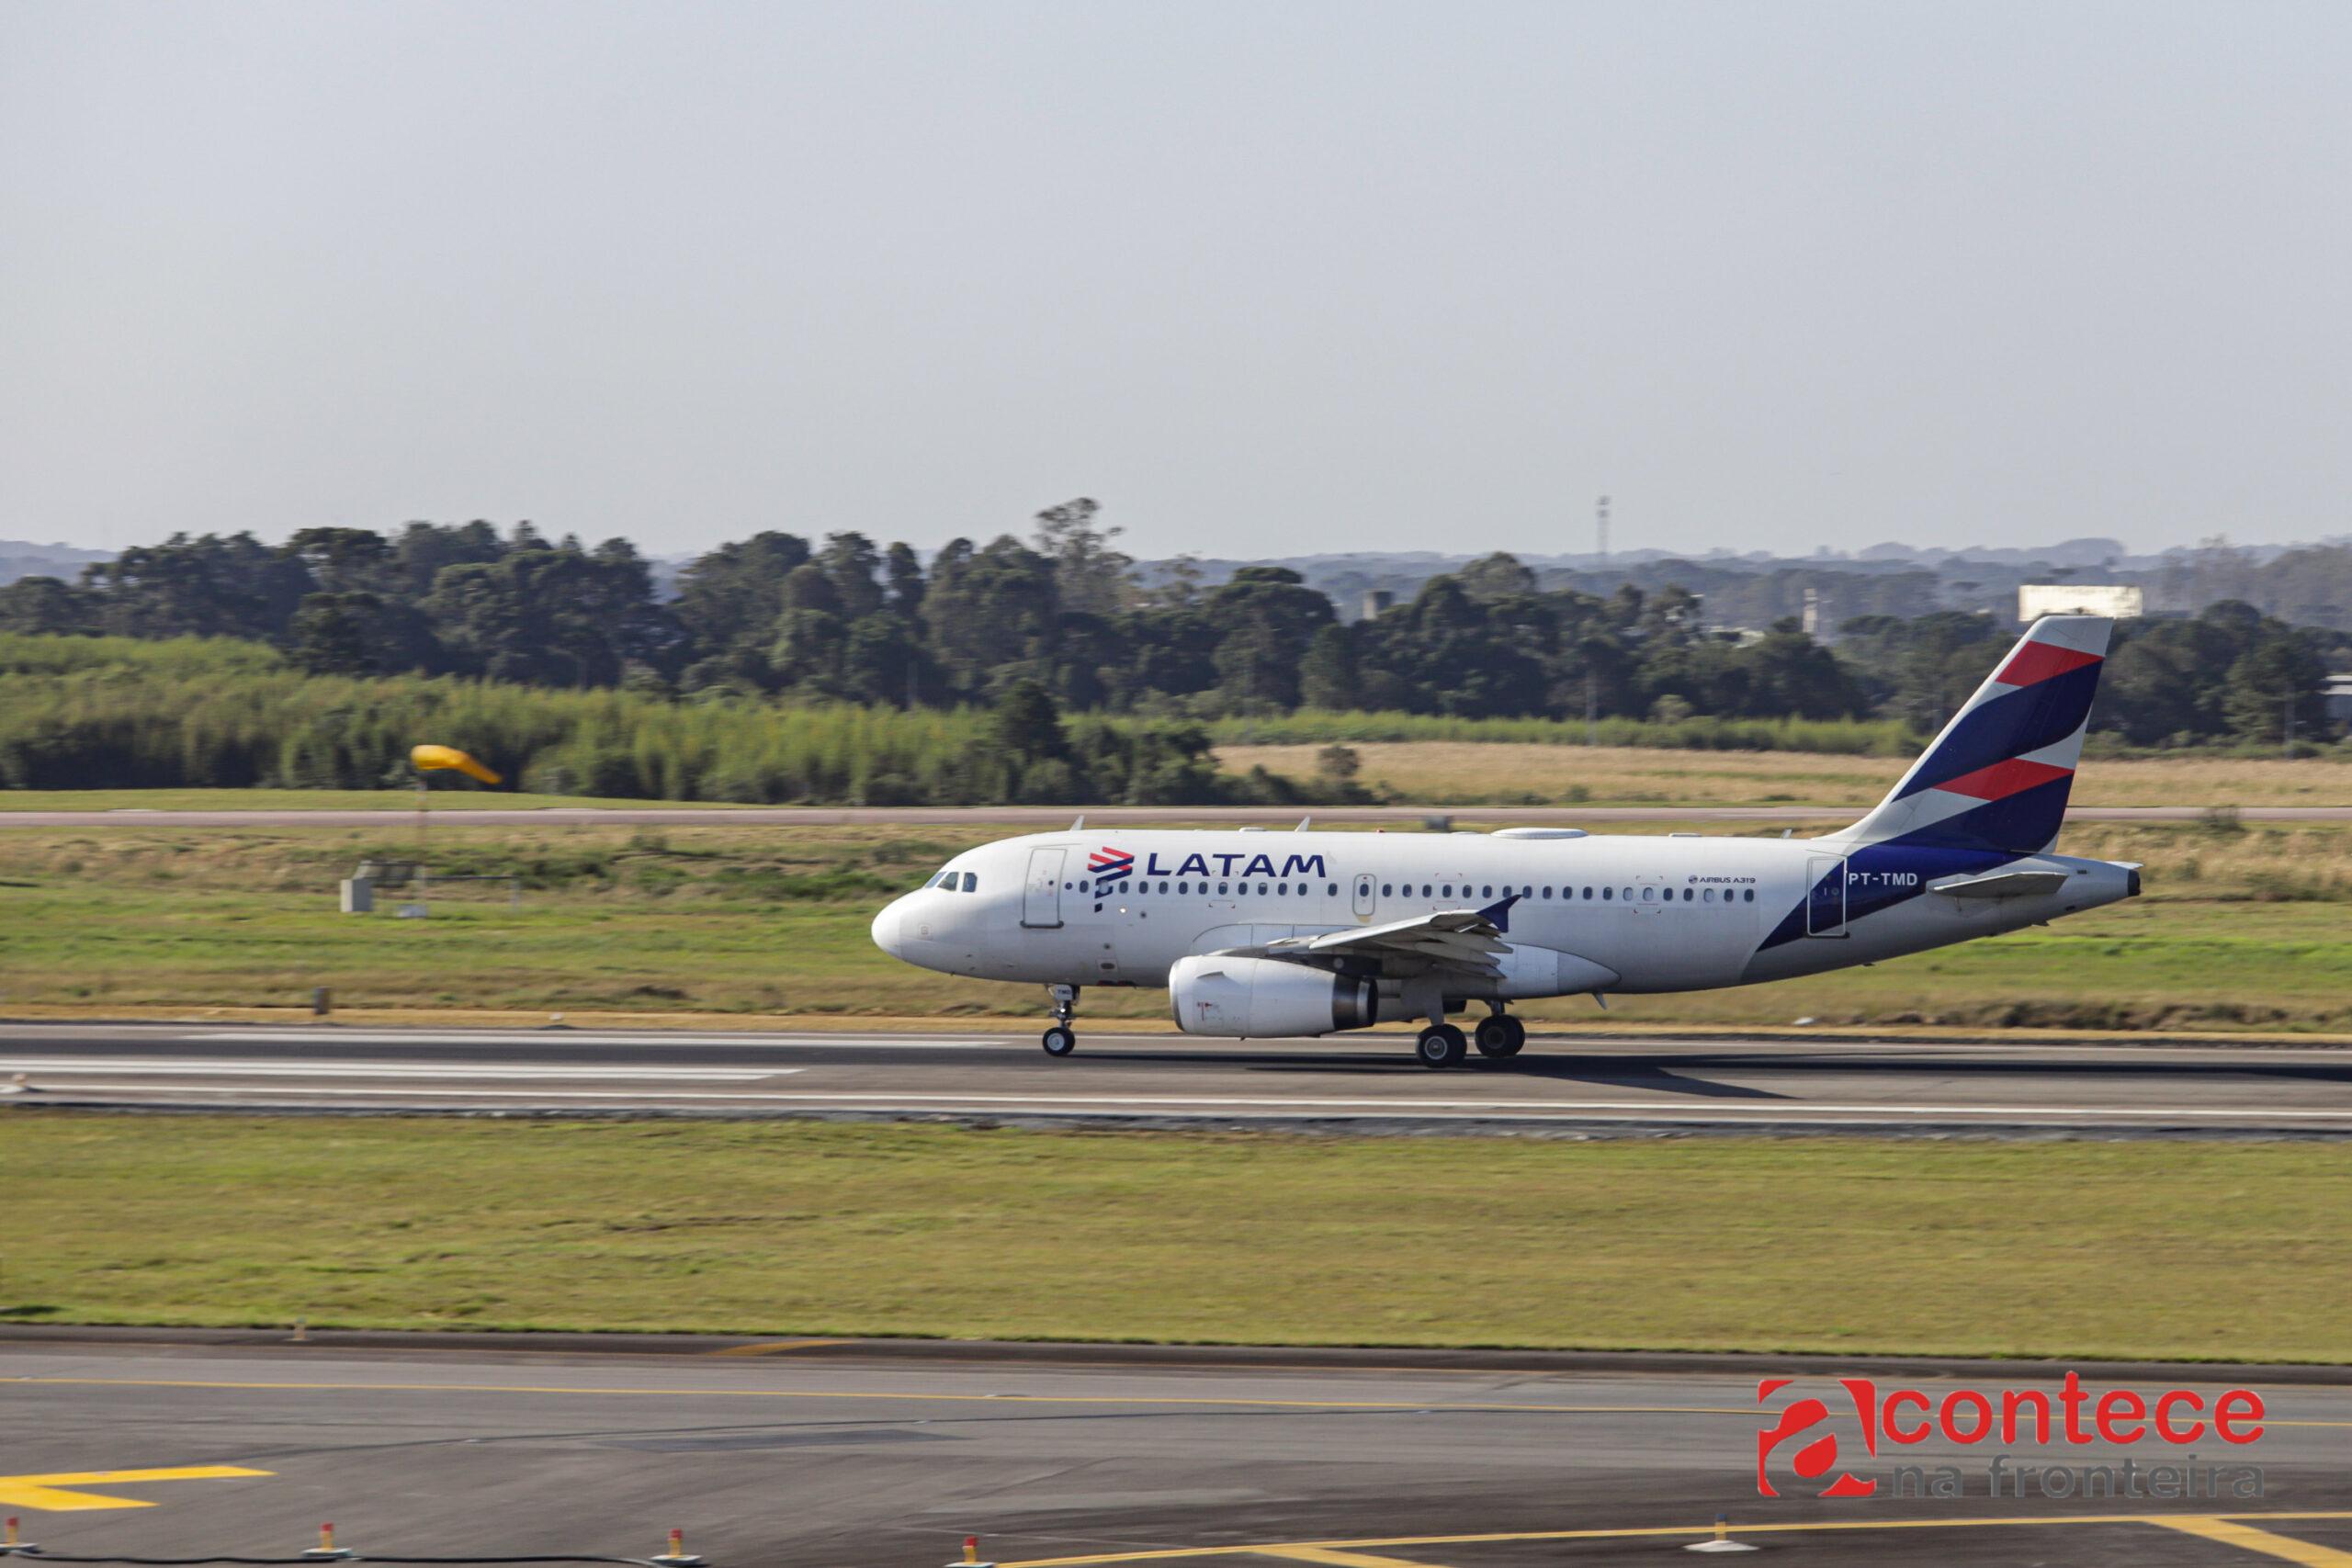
(2339, 696)
(1376, 600)
(2037, 599)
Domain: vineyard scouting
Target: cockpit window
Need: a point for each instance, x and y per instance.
(971, 882)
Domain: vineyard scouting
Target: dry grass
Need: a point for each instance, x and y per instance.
(2240, 929)
(1465, 773)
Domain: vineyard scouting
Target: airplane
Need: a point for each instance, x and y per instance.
(1261, 935)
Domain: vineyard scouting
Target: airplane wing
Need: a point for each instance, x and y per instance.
(2001, 884)
(1467, 940)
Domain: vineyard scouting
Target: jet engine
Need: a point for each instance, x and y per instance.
(1262, 999)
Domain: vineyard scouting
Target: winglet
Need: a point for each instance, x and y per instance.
(1080, 823)
(1497, 913)
(1302, 824)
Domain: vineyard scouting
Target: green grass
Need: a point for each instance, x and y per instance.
(2240, 930)
(454, 798)
(2197, 1251)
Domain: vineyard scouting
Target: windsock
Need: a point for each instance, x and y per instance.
(430, 759)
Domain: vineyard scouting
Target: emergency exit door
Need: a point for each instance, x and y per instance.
(1825, 903)
(1041, 894)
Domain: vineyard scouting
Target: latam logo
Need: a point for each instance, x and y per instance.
(1108, 865)
(1898, 1418)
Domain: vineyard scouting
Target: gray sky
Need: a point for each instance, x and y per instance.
(1262, 279)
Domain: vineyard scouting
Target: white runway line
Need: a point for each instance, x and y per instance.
(885, 1099)
(556, 1037)
(134, 1068)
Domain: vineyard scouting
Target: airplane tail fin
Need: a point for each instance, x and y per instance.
(1998, 776)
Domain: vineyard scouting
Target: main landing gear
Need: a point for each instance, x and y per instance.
(1061, 1039)
(1500, 1037)
(1441, 1045)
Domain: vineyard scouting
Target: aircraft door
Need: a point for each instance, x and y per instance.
(1041, 894)
(1824, 901)
(1364, 897)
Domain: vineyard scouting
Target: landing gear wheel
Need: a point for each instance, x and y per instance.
(1058, 1040)
(1441, 1045)
(1500, 1036)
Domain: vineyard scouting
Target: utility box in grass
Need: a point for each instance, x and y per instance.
(358, 894)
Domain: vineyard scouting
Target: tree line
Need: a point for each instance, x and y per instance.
(1061, 617)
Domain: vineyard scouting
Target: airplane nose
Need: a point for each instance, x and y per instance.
(886, 929)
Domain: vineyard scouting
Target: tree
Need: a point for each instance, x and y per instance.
(342, 633)
(1270, 616)
(851, 561)
(2277, 690)
(45, 607)
(1090, 576)
(730, 597)
(1326, 676)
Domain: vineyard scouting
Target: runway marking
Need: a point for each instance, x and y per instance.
(1480, 1406)
(337, 1091)
(1654, 1532)
(51, 1494)
(1786, 1110)
(133, 1067)
(1336, 1559)
(2226, 1531)
(775, 1347)
(426, 1036)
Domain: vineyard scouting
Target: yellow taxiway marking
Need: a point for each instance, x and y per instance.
(2230, 1532)
(1336, 1559)
(1139, 1401)
(1298, 1549)
(775, 1347)
(51, 1494)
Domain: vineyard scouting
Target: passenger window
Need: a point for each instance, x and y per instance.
(1447, 890)
(1261, 890)
(1649, 895)
(1608, 893)
(1751, 896)
(1587, 892)
(1485, 893)
(971, 882)
(1709, 896)
(1547, 892)
(1386, 890)
(1221, 888)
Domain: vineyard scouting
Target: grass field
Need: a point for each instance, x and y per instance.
(1445, 773)
(457, 799)
(2198, 1251)
(2239, 930)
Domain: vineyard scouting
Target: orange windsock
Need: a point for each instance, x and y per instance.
(430, 759)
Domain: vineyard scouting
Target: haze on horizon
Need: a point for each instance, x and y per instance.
(1264, 279)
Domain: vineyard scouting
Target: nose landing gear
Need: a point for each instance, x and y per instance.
(1061, 1039)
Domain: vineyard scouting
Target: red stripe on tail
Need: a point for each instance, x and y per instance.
(2003, 779)
(2040, 660)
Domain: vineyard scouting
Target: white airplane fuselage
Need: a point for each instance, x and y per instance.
(1258, 934)
(1657, 913)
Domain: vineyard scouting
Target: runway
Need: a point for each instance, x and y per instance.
(799, 1455)
(1566, 1083)
(1044, 818)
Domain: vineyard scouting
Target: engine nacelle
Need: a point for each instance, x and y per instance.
(1262, 999)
